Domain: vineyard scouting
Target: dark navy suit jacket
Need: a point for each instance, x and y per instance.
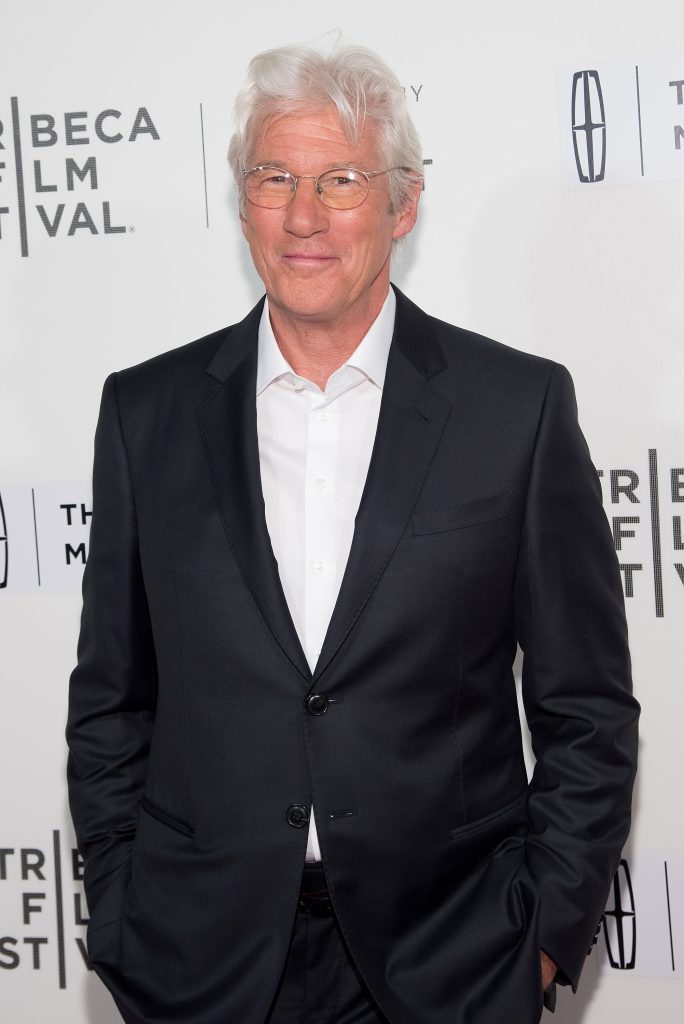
(480, 527)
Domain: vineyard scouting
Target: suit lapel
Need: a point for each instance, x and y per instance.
(411, 421)
(229, 433)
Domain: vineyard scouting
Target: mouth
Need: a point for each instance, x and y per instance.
(307, 259)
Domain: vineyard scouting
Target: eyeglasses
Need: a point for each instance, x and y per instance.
(341, 188)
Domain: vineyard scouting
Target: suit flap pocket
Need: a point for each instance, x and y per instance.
(514, 810)
(166, 819)
(458, 517)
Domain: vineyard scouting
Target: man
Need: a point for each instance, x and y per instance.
(317, 537)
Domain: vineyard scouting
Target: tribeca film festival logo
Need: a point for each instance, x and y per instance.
(51, 169)
(626, 122)
(44, 906)
(647, 527)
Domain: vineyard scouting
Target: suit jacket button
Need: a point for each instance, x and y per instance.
(317, 703)
(297, 815)
(595, 939)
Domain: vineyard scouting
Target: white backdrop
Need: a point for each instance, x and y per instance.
(135, 100)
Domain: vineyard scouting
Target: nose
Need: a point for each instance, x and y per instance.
(305, 214)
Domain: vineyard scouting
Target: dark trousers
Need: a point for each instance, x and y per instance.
(320, 983)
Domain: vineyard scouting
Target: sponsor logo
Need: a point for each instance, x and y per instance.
(646, 892)
(588, 126)
(644, 104)
(4, 553)
(619, 921)
(49, 525)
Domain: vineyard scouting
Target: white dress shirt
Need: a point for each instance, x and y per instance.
(314, 451)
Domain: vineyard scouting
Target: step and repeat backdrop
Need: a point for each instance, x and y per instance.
(552, 219)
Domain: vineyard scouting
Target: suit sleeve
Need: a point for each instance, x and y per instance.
(576, 685)
(112, 689)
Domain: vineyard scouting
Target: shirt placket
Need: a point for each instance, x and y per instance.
(321, 555)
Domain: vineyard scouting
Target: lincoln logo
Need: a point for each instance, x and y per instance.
(620, 921)
(4, 559)
(588, 126)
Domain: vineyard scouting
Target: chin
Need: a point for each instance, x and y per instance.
(301, 302)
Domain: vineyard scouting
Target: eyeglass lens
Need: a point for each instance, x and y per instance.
(340, 188)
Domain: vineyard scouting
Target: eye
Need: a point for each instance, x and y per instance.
(269, 177)
(340, 180)
(342, 187)
(271, 187)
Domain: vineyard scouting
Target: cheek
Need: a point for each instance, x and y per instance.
(256, 233)
(247, 233)
(375, 247)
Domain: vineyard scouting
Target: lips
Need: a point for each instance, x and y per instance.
(307, 257)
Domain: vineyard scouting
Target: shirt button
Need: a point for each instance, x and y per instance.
(320, 484)
(323, 417)
(318, 565)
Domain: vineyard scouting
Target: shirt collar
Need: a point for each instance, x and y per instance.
(370, 356)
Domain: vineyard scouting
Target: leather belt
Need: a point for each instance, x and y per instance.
(314, 897)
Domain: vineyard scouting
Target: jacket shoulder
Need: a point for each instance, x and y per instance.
(190, 364)
(463, 347)
(181, 363)
(466, 355)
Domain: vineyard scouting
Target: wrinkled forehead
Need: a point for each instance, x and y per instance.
(314, 131)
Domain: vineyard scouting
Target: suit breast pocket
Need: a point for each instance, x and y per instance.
(465, 515)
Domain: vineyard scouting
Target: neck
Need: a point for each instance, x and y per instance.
(316, 347)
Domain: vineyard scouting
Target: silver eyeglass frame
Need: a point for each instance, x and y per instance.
(296, 178)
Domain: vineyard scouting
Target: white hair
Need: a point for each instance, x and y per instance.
(355, 80)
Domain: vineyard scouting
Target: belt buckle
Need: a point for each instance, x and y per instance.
(316, 903)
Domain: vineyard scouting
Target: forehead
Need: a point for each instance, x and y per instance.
(312, 139)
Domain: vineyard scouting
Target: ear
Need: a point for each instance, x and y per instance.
(406, 217)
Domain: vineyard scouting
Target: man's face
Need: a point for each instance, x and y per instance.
(319, 264)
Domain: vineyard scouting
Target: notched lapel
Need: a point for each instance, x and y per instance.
(412, 417)
(227, 421)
